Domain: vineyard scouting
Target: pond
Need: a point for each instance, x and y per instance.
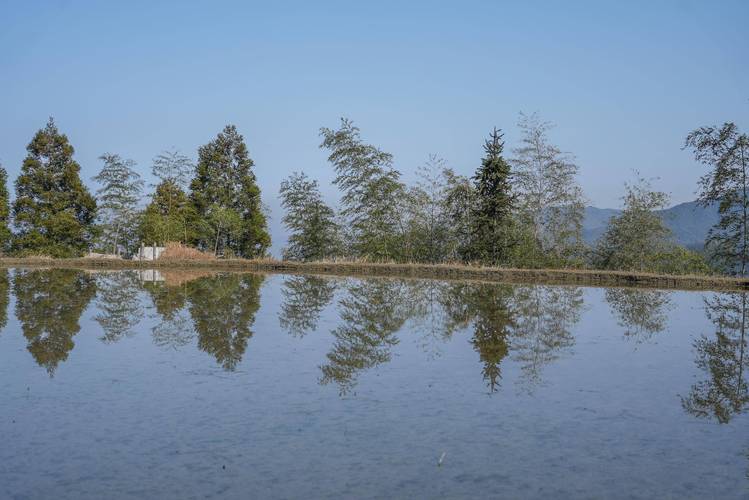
(154, 384)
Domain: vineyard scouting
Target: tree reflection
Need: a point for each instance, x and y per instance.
(223, 309)
(544, 318)
(370, 313)
(489, 308)
(49, 304)
(169, 299)
(4, 298)
(642, 313)
(724, 393)
(119, 306)
(304, 298)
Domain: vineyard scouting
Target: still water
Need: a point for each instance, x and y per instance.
(195, 385)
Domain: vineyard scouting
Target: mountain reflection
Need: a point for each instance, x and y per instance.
(49, 304)
(723, 394)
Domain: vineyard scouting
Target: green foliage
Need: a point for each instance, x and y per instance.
(311, 222)
(549, 199)
(635, 238)
(372, 194)
(5, 234)
(459, 199)
(53, 210)
(726, 151)
(169, 217)
(225, 225)
(118, 200)
(173, 167)
(224, 178)
(491, 230)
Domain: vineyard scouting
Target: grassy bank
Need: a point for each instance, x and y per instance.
(443, 271)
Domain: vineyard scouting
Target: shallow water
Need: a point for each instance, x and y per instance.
(170, 385)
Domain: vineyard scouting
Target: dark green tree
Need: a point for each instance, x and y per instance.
(311, 222)
(493, 211)
(118, 199)
(372, 194)
(726, 151)
(224, 179)
(49, 304)
(169, 217)
(53, 210)
(5, 234)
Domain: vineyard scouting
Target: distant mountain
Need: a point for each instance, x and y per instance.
(689, 222)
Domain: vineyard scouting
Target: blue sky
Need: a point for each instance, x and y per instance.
(624, 82)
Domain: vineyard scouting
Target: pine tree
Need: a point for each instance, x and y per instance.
(492, 212)
(224, 179)
(314, 233)
(118, 199)
(5, 234)
(53, 210)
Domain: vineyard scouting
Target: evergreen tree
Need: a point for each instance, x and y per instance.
(726, 150)
(5, 234)
(314, 232)
(224, 178)
(169, 217)
(53, 210)
(118, 198)
(373, 195)
(492, 212)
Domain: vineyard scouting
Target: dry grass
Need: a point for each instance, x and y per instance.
(576, 277)
(178, 251)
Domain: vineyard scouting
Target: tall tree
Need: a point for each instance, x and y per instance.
(118, 198)
(224, 178)
(634, 238)
(492, 212)
(372, 196)
(53, 210)
(459, 201)
(549, 198)
(169, 217)
(174, 167)
(726, 151)
(314, 232)
(5, 234)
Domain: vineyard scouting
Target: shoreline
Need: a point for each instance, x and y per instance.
(578, 277)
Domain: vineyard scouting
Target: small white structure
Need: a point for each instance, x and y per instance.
(150, 276)
(148, 253)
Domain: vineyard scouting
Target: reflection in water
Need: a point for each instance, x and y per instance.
(545, 316)
(724, 393)
(223, 309)
(4, 298)
(642, 313)
(49, 304)
(370, 314)
(118, 304)
(169, 300)
(304, 297)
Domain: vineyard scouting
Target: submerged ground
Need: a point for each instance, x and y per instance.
(173, 384)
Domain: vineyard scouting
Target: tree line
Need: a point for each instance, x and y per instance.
(522, 208)
(213, 204)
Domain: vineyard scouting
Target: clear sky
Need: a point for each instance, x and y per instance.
(623, 81)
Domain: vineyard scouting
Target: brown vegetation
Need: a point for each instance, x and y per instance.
(177, 251)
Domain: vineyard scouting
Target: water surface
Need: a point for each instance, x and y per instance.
(197, 385)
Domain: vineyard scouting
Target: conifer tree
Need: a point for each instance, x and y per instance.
(492, 212)
(53, 210)
(118, 199)
(5, 234)
(169, 217)
(224, 179)
(314, 232)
